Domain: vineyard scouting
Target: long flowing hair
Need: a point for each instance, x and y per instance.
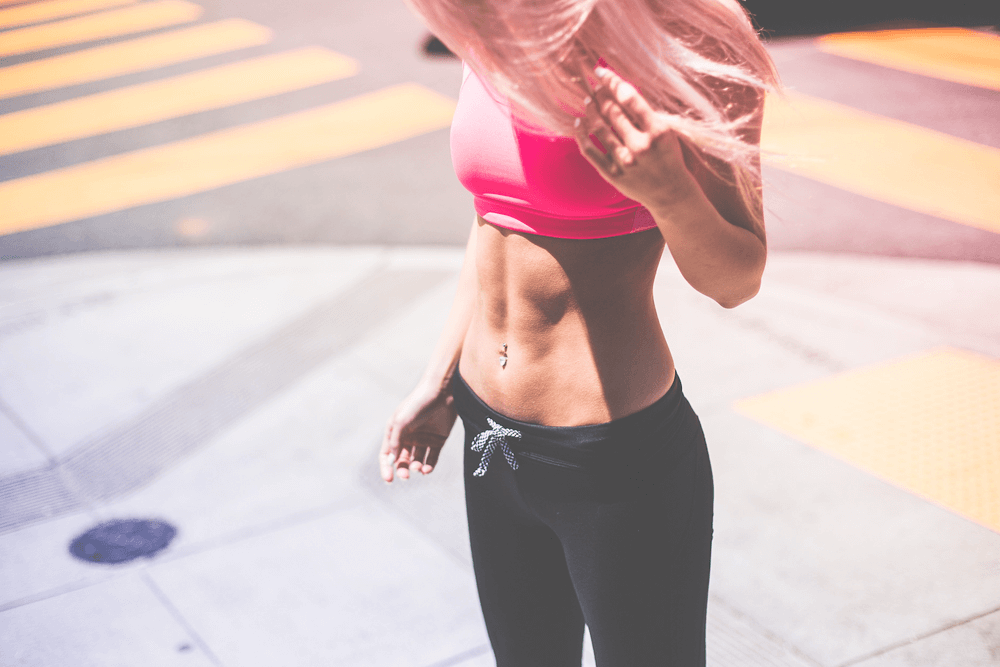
(700, 61)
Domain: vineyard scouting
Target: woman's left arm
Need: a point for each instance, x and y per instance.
(718, 246)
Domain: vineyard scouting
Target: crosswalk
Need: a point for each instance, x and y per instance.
(222, 158)
(130, 57)
(884, 159)
(37, 12)
(94, 27)
(191, 165)
(878, 157)
(953, 54)
(145, 103)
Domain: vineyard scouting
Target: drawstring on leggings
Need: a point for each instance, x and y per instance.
(487, 441)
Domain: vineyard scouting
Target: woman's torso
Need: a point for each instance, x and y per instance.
(584, 343)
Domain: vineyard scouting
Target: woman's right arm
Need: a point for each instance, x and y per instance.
(420, 425)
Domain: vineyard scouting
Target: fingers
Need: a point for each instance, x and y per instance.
(416, 460)
(402, 463)
(593, 126)
(413, 460)
(626, 98)
(387, 452)
(635, 140)
(420, 461)
(432, 459)
(404, 459)
(622, 156)
(398, 457)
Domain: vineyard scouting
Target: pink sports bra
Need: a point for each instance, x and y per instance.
(527, 180)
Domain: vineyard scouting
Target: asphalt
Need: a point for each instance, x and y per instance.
(225, 363)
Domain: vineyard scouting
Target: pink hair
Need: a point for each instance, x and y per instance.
(700, 61)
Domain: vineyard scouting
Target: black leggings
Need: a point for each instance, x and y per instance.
(609, 524)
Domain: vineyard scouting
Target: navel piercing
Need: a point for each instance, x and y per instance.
(503, 357)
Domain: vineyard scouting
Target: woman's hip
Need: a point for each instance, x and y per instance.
(639, 455)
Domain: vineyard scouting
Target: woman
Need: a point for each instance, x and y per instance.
(588, 485)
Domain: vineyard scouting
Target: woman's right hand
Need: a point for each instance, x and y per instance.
(417, 431)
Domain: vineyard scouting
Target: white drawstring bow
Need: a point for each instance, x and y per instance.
(487, 441)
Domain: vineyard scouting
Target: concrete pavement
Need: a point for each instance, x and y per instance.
(277, 367)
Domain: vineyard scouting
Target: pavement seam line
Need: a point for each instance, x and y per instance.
(177, 616)
(28, 432)
(273, 526)
(375, 490)
(169, 556)
(133, 453)
(459, 658)
(762, 631)
(918, 638)
(50, 593)
(786, 341)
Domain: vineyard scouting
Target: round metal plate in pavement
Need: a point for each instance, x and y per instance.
(122, 540)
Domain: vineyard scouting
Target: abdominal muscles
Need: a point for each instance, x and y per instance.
(584, 344)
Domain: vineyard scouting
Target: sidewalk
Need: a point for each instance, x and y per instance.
(240, 395)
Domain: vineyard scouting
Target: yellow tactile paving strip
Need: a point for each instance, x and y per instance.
(953, 54)
(48, 10)
(103, 25)
(129, 57)
(888, 160)
(222, 158)
(172, 97)
(928, 423)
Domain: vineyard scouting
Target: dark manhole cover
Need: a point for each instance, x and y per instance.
(122, 540)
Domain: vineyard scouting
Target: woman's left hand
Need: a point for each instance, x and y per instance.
(643, 157)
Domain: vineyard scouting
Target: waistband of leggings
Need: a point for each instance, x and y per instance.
(653, 417)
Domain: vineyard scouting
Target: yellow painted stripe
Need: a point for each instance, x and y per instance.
(136, 55)
(115, 23)
(37, 12)
(222, 158)
(176, 96)
(954, 54)
(884, 159)
(929, 424)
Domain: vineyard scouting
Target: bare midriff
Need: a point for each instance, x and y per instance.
(584, 343)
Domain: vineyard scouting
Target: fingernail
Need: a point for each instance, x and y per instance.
(587, 100)
(600, 71)
(576, 123)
